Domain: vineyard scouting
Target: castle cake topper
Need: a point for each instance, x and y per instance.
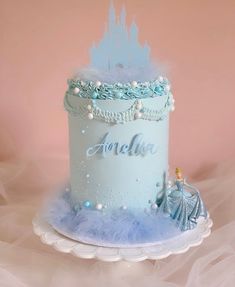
(119, 47)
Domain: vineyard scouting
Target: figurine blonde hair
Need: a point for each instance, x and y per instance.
(178, 174)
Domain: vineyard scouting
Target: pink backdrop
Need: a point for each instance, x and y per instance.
(43, 42)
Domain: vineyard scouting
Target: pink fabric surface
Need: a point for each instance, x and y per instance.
(25, 261)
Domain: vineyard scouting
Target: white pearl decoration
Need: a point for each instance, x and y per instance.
(89, 107)
(160, 79)
(168, 88)
(172, 108)
(82, 83)
(76, 90)
(97, 84)
(128, 115)
(90, 116)
(154, 206)
(169, 184)
(99, 206)
(138, 115)
(134, 84)
(139, 105)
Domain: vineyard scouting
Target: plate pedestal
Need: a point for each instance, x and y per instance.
(176, 245)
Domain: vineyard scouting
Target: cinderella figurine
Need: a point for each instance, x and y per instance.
(183, 203)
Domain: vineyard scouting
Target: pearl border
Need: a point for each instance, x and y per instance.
(134, 112)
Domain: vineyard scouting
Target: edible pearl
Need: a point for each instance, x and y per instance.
(87, 203)
(138, 115)
(134, 84)
(159, 89)
(139, 105)
(76, 90)
(154, 206)
(89, 107)
(160, 79)
(94, 95)
(118, 95)
(97, 84)
(168, 88)
(172, 108)
(99, 206)
(169, 183)
(90, 116)
(82, 83)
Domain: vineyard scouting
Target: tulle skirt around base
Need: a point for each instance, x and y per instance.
(111, 228)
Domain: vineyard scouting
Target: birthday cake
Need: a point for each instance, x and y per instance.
(118, 111)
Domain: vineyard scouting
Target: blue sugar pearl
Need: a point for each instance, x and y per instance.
(159, 90)
(94, 95)
(118, 95)
(87, 204)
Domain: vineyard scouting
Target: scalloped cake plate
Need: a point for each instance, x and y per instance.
(176, 245)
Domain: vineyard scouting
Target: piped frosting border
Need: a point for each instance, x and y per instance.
(120, 91)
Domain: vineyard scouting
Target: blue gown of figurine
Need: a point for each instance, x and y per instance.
(184, 204)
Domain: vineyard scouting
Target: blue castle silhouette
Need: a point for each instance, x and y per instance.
(119, 45)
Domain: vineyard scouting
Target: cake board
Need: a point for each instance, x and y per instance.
(176, 245)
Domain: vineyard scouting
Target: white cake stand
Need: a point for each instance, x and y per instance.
(178, 244)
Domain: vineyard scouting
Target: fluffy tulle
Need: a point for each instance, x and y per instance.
(119, 74)
(109, 228)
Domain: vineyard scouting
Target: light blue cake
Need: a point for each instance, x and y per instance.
(118, 110)
(118, 147)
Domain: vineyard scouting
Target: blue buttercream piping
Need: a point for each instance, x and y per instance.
(89, 89)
